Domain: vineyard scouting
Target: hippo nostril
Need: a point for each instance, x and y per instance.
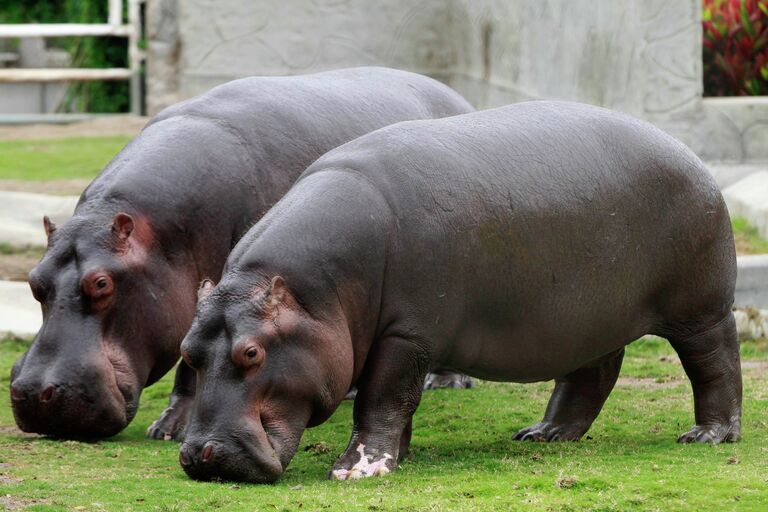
(47, 394)
(17, 395)
(207, 452)
(184, 458)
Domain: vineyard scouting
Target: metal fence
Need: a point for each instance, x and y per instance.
(113, 27)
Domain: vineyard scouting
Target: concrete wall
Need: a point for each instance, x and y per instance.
(639, 56)
(32, 98)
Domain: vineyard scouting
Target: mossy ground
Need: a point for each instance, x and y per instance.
(462, 458)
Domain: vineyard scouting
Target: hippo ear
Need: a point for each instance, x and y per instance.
(276, 293)
(49, 226)
(206, 287)
(122, 226)
(268, 299)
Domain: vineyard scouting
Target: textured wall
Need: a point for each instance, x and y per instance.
(639, 56)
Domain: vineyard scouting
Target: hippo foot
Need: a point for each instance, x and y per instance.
(171, 424)
(546, 431)
(715, 434)
(369, 464)
(451, 380)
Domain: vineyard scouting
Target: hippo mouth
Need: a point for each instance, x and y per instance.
(64, 413)
(97, 407)
(237, 460)
(248, 455)
(123, 390)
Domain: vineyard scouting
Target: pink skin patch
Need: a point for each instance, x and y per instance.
(134, 243)
(364, 467)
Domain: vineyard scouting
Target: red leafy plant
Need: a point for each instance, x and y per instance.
(735, 47)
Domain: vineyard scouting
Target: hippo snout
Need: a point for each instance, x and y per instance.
(231, 460)
(61, 410)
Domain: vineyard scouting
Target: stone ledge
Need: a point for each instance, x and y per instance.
(748, 198)
(21, 216)
(752, 281)
(19, 311)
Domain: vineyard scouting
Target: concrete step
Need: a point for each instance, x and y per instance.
(19, 312)
(748, 198)
(727, 174)
(21, 216)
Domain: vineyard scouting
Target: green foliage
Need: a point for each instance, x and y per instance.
(735, 47)
(86, 52)
(462, 457)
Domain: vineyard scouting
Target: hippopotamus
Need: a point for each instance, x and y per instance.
(118, 282)
(525, 243)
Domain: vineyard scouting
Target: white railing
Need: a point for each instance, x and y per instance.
(113, 27)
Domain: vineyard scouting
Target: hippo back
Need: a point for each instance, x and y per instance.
(540, 207)
(223, 158)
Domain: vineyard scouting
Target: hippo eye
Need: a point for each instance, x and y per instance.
(97, 286)
(250, 357)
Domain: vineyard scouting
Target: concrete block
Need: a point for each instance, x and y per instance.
(752, 282)
(727, 174)
(748, 198)
(19, 312)
(21, 216)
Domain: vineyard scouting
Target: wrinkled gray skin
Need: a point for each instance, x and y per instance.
(118, 282)
(525, 243)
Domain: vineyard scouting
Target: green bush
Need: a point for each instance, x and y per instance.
(86, 52)
(735, 47)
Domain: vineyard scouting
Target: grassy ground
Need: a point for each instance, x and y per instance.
(39, 160)
(462, 455)
(16, 262)
(748, 240)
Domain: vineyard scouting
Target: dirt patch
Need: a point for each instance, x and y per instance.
(99, 127)
(10, 502)
(755, 369)
(648, 382)
(16, 266)
(7, 429)
(73, 187)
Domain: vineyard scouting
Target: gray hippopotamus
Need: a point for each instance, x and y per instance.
(525, 243)
(118, 282)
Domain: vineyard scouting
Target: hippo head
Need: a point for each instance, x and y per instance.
(266, 370)
(110, 326)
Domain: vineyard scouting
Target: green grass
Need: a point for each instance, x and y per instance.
(748, 240)
(462, 456)
(55, 159)
(7, 249)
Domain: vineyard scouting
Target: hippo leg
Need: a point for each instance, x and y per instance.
(711, 361)
(172, 422)
(388, 393)
(440, 379)
(576, 401)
